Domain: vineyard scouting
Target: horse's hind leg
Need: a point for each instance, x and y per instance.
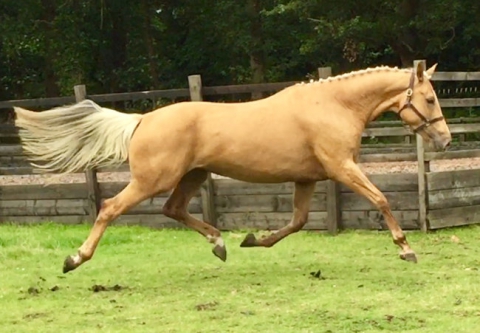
(177, 204)
(301, 206)
(351, 175)
(131, 195)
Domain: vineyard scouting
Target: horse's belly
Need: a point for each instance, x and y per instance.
(268, 170)
(260, 177)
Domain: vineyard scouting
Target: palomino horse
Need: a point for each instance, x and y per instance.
(302, 134)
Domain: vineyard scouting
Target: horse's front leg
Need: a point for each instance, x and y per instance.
(301, 205)
(350, 174)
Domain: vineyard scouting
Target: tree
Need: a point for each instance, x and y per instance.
(48, 46)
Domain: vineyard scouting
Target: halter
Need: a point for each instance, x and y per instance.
(409, 104)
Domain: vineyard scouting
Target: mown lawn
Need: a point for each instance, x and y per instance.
(168, 281)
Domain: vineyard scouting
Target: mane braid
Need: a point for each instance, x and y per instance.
(356, 73)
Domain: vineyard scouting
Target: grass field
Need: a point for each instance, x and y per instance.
(168, 281)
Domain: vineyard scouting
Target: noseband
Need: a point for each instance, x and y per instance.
(409, 104)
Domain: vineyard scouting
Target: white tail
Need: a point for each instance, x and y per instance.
(76, 137)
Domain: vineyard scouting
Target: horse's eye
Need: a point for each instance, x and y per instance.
(431, 100)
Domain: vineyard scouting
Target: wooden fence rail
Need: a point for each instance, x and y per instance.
(453, 199)
(426, 200)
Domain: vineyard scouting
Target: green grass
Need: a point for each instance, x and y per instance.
(172, 283)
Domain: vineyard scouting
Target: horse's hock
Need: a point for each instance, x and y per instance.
(425, 190)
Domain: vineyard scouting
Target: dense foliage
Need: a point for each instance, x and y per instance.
(47, 46)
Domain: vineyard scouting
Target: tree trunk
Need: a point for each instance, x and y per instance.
(50, 78)
(257, 56)
(118, 44)
(147, 37)
(404, 52)
(407, 44)
(118, 48)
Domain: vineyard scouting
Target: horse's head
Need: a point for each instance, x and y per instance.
(421, 109)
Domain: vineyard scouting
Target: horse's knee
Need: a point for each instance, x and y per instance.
(383, 205)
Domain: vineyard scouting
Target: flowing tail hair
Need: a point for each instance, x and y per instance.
(76, 137)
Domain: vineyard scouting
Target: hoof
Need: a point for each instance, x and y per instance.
(220, 252)
(410, 256)
(249, 241)
(68, 265)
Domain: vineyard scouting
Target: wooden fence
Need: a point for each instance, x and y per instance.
(237, 205)
(426, 200)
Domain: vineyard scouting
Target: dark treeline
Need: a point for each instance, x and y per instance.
(47, 46)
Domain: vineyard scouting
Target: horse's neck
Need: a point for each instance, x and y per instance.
(371, 94)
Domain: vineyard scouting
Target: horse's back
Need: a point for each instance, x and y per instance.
(266, 140)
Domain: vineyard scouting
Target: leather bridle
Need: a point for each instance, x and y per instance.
(408, 104)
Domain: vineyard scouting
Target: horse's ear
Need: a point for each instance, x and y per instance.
(420, 71)
(431, 70)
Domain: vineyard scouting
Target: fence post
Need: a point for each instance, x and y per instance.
(93, 189)
(324, 72)
(423, 168)
(207, 189)
(334, 213)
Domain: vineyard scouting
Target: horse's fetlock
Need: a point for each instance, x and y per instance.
(400, 239)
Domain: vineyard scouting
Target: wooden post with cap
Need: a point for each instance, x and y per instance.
(207, 188)
(93, 189)
(334, 213)
(423, 168)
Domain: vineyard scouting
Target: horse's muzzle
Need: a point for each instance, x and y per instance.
(442, 143)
